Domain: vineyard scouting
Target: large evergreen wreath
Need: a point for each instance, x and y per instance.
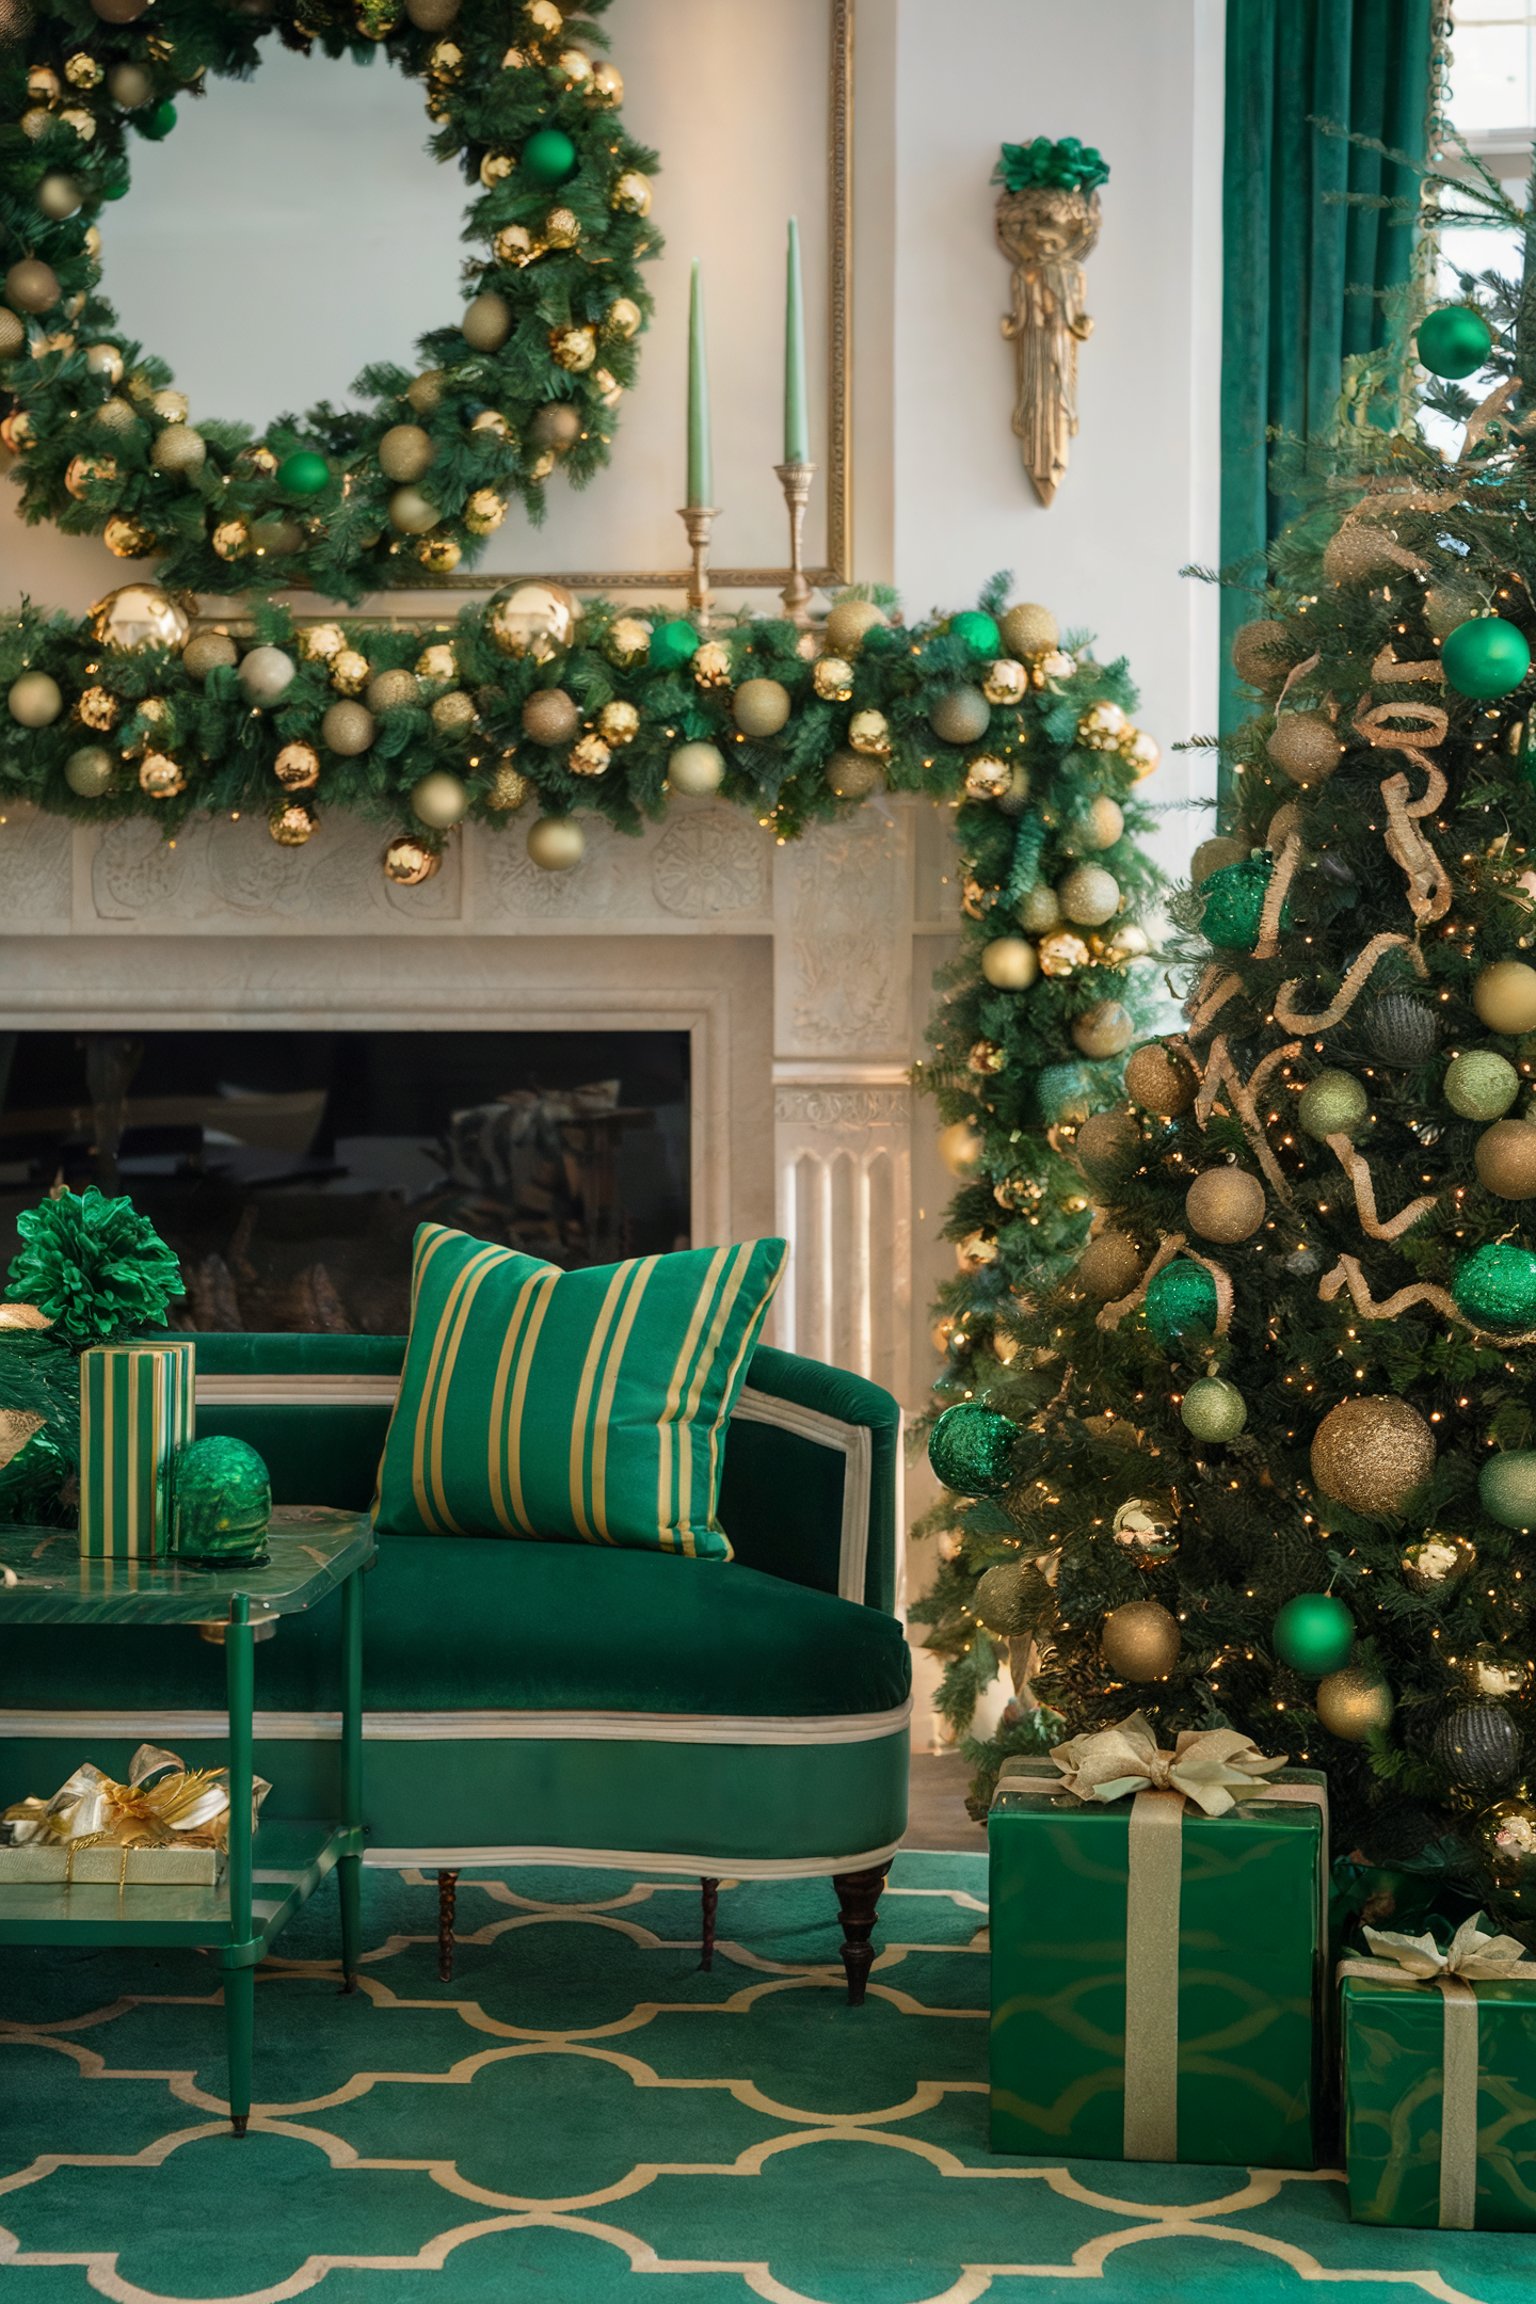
(417, 474)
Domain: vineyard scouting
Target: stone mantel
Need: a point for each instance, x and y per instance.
(791, 967)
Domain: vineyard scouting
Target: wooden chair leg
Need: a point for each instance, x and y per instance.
(858, 1900)
(709, 1900)
(447, 1900)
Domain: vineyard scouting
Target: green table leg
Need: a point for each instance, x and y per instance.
(239, 1970)
(349, 1869)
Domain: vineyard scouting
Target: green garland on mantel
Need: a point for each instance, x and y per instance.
(346, 501)
(538, 704)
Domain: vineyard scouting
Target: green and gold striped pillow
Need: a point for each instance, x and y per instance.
(579, 1407)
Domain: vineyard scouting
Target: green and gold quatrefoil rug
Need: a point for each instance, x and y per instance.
(583, 2117)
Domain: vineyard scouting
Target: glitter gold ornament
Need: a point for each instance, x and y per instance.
(1353, 1703)
(870, 733)
(508, 788)
(178, 449)
(161, 776)
(297, 767)
(437, 662)
(1214, 855)
(208, 652)
(32, 286)
(631, 194)
(986, 1058)
(532, 620)
(1505, 1159)
(1108, 1146)
(454, 714)
(960, 716)
(266, 674)
(139, 616)
(550, 717)
(618, 722)
(852, 776)
(1028, 629)
(1062, 953)
(1263, 653)
(1109, 1267)
(761, 708)
(484, 512)
(104, 361)
(349, 672)
(405, 451)
(347, 729)
(711, 665)
(1359, 552)
(486, 322)
(98, 708)
(589, 756)
(1140, 1641)
(1159, 1080)
(1304, 747)
(1213, 1411)
(562, 228)
(408, 861)
(1101, 727)
(13, 334)
(169, 406)
(412, 512)
(389, 691)
(1225, 1205)
(1089, 896)
(1373, 1455)
(1480, 1084)
(291, 823)
(1436, 1560)
(1103, 1030)
(1100, 827)
(126, 539)
(231, 539)
(89, 771)
(573, 348)
(832, 679)
(35, 700)
(58, 196)
(623, 318)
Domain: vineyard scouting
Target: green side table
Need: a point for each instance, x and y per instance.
(268, 1874)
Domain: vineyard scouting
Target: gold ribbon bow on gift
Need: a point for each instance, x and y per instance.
(163, 1804)
(1214, 1767)
(1418, 1963)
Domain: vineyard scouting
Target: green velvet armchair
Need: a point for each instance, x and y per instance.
(549, 1703)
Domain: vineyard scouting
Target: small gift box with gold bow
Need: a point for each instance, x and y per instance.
(168, 1826)
(1440, 2081)
(1157, 1946)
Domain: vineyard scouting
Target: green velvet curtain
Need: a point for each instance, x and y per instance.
(1298, 267)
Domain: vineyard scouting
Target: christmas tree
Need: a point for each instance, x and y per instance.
(1267, 1456)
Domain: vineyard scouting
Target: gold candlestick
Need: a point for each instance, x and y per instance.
(795, 480)
(696, 519)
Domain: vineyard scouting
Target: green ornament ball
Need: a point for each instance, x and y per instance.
(979, 632)
(673, 644)
(304, 473)
(1315, 1634)
(157, 122)
(1506, 1488)
(971, 1449)
(221, 1500)
(1334, 1104)
(1496, 1286)
(548, 159)
(1180, 1304)
(1481, 1085)
(1214, 1410)
(1485, 657)
(1234, 903)
(1454, 341)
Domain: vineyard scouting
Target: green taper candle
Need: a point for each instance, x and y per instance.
(701, 467)
(797, 429)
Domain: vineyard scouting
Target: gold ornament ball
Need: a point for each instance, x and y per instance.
(408, 861)
(1263, 653)
(515, 245)
(391, 691)
(1225, 1205)
(126, 539)
(556, 843)
(170, 406)
(551, 717)
(349, 671)
(160, 776)
(619, 722)
(1353, 1703)
(487, 322)
(1126, 941)
(1101, 728)
(291, 823)
(976, 1251)
(576, 64)
(870, 733)
(32, 286)
(532, 620)
(1089, 896)
(1108, 1146)
(105, 361)
(848, 622)
(89, 771)
(832, 679)
(1140, 1641)
(1505, 1159)
(556, 425)
(1214, 856)
(711, 664)
(1159, 1081)
(16, 431)
(82, 70)
(960, 716)
(1447, 605)
(439, 799)
(960, 1147)
(627, 641)
(1357, 552)
(1039, 911)
(631, 194)
(1373, 1455)
(589, 756)
(98, 709)
(1062, 953)
(437, 661)
(852, 776)
(13, 334)
(988, 778)
(276, 535)
(35, 700)
(573, 348)
(453, 714)
(1012, 964)
(1504, 995)
(412, 513)
(508, 789)
(607, 82)
(347, 729)
(696, 769)
(432, 15)
(1100, 828)
(266, 674)
(1110, 1266)
(405, 452)
(1029, 630)
(297, 767)
(761, 707)
(178, 449)
(562, 228)
(1103, 1031)
(231, 539)
(1303, 746)
(985, 1059)
(1435, 1560)
(440, 554)
(58, 196)
(623, 318)
(425, 392)
(1006, 683)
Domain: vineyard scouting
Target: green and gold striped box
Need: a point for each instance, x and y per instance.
(135, 1412)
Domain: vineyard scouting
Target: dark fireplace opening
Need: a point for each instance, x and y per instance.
(289, 1170)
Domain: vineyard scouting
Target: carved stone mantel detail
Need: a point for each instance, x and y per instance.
(843, 1108)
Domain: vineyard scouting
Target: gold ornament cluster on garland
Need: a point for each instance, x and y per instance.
(408, 483)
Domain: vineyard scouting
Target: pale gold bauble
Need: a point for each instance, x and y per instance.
(1505, 1159)
(627, 641)
(35, 700)
(1100, 828)
(1127, 940)
(851, 775)
(1140, 752)
(1103, 1030)
(1353, 1703)
(347, 728)
(1359, 552)
(1006, 683)
(960, 1147)
(275, 535)
(484, 512)
(412, 512)
(1140, 1641)
(178, 449)
(405, 452)
(495, 168)
(1215, 855)
(1504, 995)
(349, 671)
(1159, 1081)
(391, 691)
(126, 539)
(439, 799)
(760, 708)
(960, 716)
(1108, 1145)
(607, 85)
(509, 788)
(832, 679)
(987, 777)
(556, 843)
(589, 756)
(58, 196)
(160, 776)
(1089, 896)
(1225, 1204)
(1101, 727)
(532, 620)
(556, 425)
(231, 539)
(487, 322)
(291, 823)
(105, 361)
(437, 661)
(1435, 1560)
(208, 652)
(1263, 653)
(573, 348)
(516, 246)
(425, 392)
(1039, 911)
(139, 616)
(848, 622)
(623, 318)
(169, 406)
(870, 733)
(1304, 747)
(89, 771)
(1374, 1455)
(297, 767)
(408, 861)
(1028, 630)
(711, 664)
(454, 713)
(32, 286)
(98, 708)
(619, 722)
(1062, 953)
(1451, 603)
(1110, 1266)
(551, 717)
(1012, 964)
(13, 334)
(696, 769)
(16, 431)
(631, 194)
(432, 15)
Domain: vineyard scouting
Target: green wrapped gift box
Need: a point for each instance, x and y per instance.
(136, 1410)
(1440, 2082)
(1156, 1968)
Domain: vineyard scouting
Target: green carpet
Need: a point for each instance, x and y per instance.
(582, 2116)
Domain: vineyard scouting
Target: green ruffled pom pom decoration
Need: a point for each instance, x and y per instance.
(95, 1268)
(1496, 1286)
(1234, 903)
(1180, 1304)
(971, 1449)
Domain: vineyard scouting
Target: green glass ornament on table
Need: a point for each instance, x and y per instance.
(221, 1501)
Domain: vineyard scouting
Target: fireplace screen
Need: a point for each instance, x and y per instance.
(289, 1170)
